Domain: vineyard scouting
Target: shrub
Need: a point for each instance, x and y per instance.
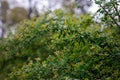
(56, 47)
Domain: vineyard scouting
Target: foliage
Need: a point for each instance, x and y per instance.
(60, 46)
(110, 10)
(16, 15)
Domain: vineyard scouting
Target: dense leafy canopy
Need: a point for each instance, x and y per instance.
(59, 46)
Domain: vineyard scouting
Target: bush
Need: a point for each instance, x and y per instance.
(69, 47)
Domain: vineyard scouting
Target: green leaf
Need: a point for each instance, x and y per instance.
(98, 2)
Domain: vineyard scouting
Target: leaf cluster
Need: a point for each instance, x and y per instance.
(110, 12)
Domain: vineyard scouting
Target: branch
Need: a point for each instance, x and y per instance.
(116, 9)
(109, 15)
